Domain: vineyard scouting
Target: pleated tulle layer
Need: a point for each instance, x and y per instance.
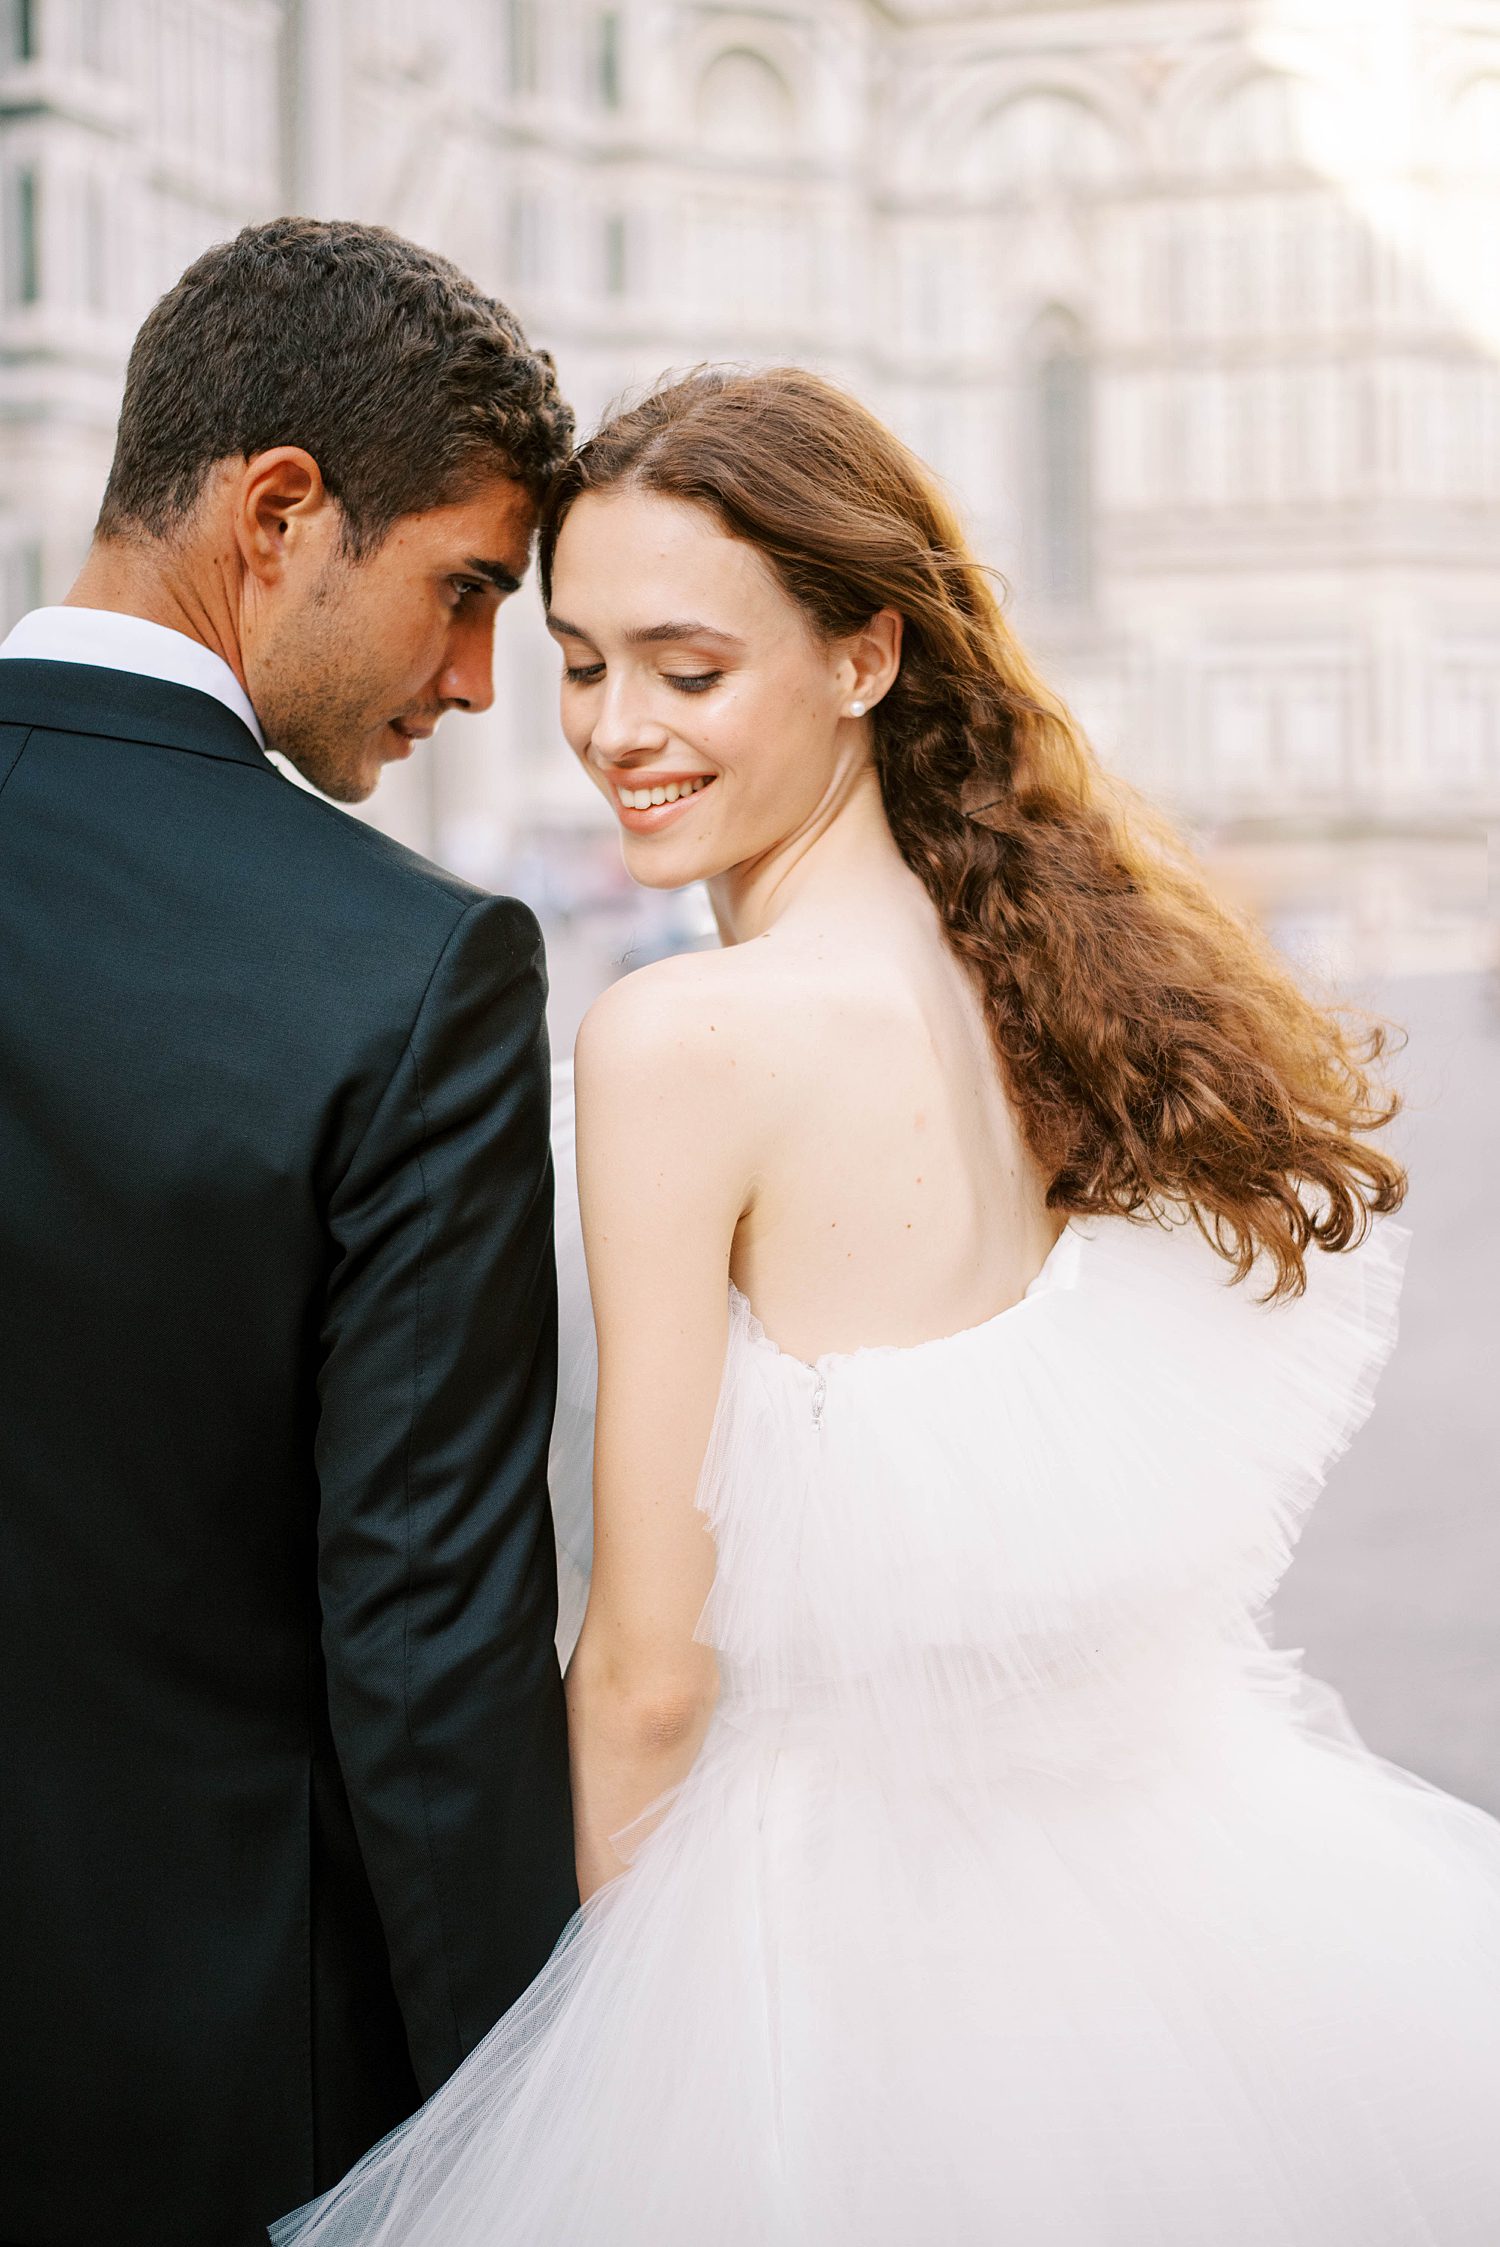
(1250, 2002)
(1126, 1453)
(1021, 1896)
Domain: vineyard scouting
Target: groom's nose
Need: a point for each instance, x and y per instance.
(467, 679)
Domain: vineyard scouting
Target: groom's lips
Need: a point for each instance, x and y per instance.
(408, 732)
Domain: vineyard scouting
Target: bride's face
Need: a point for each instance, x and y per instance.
(691, 674)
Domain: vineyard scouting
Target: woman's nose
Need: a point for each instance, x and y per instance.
(623, 722)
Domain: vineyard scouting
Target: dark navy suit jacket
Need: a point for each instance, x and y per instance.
(284, 1818)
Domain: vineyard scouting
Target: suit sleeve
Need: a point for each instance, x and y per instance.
(436, 1561)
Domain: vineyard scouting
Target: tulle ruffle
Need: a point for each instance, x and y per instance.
(1052, 1515)
(570, 1468)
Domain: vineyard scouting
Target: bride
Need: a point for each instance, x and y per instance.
(986, 1258)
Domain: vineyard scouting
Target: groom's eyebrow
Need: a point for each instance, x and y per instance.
(496, 574)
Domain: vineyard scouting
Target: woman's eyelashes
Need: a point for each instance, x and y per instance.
(685, 682)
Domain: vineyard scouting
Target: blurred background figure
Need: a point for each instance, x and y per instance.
(1198, 311)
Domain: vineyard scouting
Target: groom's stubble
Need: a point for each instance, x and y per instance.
(381, 640)
(314, 701)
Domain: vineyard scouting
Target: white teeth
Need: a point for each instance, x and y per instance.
(641, 799)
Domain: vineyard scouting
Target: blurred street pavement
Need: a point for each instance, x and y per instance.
(1395, 1591)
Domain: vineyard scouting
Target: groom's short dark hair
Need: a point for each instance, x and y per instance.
(402, 379)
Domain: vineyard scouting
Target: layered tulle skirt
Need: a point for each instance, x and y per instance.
(1243, 1991)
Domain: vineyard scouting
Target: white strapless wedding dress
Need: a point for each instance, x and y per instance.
(1020, 1895)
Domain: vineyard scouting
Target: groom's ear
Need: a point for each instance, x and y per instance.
(282, 505)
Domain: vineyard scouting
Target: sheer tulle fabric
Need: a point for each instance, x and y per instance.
(1020, 1893)
(571, 1464)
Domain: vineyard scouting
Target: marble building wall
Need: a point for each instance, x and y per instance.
(1195, 304)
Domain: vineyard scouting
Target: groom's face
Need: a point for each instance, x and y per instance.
(358, 659)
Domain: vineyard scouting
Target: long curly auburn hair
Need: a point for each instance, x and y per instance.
(1161, 1059)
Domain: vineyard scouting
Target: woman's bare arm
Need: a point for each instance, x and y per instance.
(666, 1138)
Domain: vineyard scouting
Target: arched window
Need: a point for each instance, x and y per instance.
(20, 31)
(1039, 144)
(1057, 437)
(89, 29)
(20, 576)
(94, 264)
(23, 236)
(522, 58)
(745, 107)
(1472, 135)
(526, 245)
(614, 271)
(609, 80)
(1264, 125)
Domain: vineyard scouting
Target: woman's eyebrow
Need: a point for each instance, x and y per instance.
(650, 635)
(680, 628)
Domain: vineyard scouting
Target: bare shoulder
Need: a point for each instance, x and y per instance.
(697, 1010)
(747, 1047)
(687, 1048)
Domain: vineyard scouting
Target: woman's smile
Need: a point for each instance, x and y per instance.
(646, 802)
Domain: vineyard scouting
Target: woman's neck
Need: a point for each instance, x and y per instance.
(844, 865)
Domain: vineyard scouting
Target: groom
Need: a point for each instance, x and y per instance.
(284, 1819)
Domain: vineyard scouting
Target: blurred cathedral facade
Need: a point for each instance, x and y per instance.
(1194, 303)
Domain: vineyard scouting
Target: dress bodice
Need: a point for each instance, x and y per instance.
(1113, 1468)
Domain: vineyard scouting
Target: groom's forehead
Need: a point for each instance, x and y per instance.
(487, 534)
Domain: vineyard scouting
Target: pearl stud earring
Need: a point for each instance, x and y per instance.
(856, 709)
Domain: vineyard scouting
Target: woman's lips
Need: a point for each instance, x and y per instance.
(656, 816)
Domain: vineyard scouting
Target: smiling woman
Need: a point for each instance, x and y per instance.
(741, 702)
(958, 1862)
(1154, 1047)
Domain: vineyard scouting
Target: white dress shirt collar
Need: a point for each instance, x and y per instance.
(115, 642)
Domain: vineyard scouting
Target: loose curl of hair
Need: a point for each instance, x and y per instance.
(1162, 1061)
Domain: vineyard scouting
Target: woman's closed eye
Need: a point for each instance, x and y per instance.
(685, 682)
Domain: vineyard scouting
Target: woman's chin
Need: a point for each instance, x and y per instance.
(651, 866)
